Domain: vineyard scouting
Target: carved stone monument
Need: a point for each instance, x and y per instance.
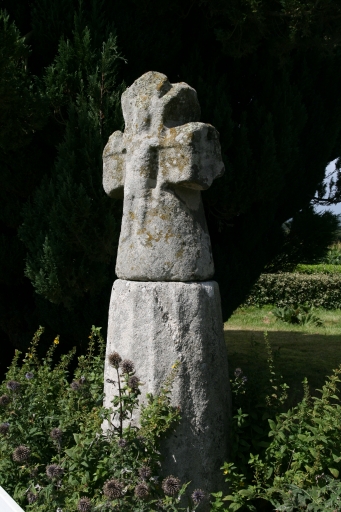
(163, 306)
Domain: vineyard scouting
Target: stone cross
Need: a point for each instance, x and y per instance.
(161, 162)
(163, 307)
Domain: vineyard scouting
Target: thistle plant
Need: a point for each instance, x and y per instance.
(54, 454)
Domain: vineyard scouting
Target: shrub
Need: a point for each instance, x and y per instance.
(54, 454)
(287, 289)
(302, 315)
(296, 463)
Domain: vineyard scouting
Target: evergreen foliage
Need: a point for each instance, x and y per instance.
(70, 228)
(268, 76)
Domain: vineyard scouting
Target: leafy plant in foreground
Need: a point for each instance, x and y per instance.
(55, 453)
(300, 467)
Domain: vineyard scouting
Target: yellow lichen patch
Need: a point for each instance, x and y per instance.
(132, 215)
(169, 235)
(163, 214)
(179, 253)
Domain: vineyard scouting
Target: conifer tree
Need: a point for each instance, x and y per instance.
(70, 227)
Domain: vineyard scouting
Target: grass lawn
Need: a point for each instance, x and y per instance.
(299, 352)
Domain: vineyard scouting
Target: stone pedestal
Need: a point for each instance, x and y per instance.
(155, 324)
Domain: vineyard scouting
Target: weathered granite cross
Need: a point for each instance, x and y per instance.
(160, 164)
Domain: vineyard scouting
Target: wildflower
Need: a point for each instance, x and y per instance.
(29, 375)
(31, 497)
(127, 366)
(84, 505)
(4, 427)
(56, 434)
(122, 443)
(21, 453)
(82, 379)
(145, 472)
(141, 491)
(197, 496)
(114, 359)
(4, 400)
(171, 485)
(113, 488)
(244, 378)
(13, 385)
(56, 340)
(238, 372)
(54, 471)
(133, 382)
(75, 385)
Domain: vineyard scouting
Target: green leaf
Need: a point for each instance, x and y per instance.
(334, 472)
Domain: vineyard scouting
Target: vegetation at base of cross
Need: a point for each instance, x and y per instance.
(283, 459)
(53, 452)
(268, 77)
(286, 289)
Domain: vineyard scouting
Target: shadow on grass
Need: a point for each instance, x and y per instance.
(296, 355)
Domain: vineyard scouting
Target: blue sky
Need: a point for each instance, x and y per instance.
(335, 208)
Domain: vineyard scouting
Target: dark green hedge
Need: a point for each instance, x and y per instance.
(319, 290)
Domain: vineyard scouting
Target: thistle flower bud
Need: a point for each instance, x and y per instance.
(75, 385)
(21, 454)
(122, 443)
(56, 434)
(13, 385)
(4, 400)
(112, 489)
(31, 497)
(141, 491)
(29, 375)
(114, 359)
(171, 485)
(133, 382)
(127, 366)
(84, 505)
(4, 428)
(54, 471)
(145, 472)
(197, 496)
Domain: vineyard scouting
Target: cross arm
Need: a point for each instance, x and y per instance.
(114, 156)
(190, 156)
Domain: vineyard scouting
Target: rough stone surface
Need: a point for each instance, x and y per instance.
(156, 324)
(160, 164)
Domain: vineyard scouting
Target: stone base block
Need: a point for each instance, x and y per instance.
(155, 324)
